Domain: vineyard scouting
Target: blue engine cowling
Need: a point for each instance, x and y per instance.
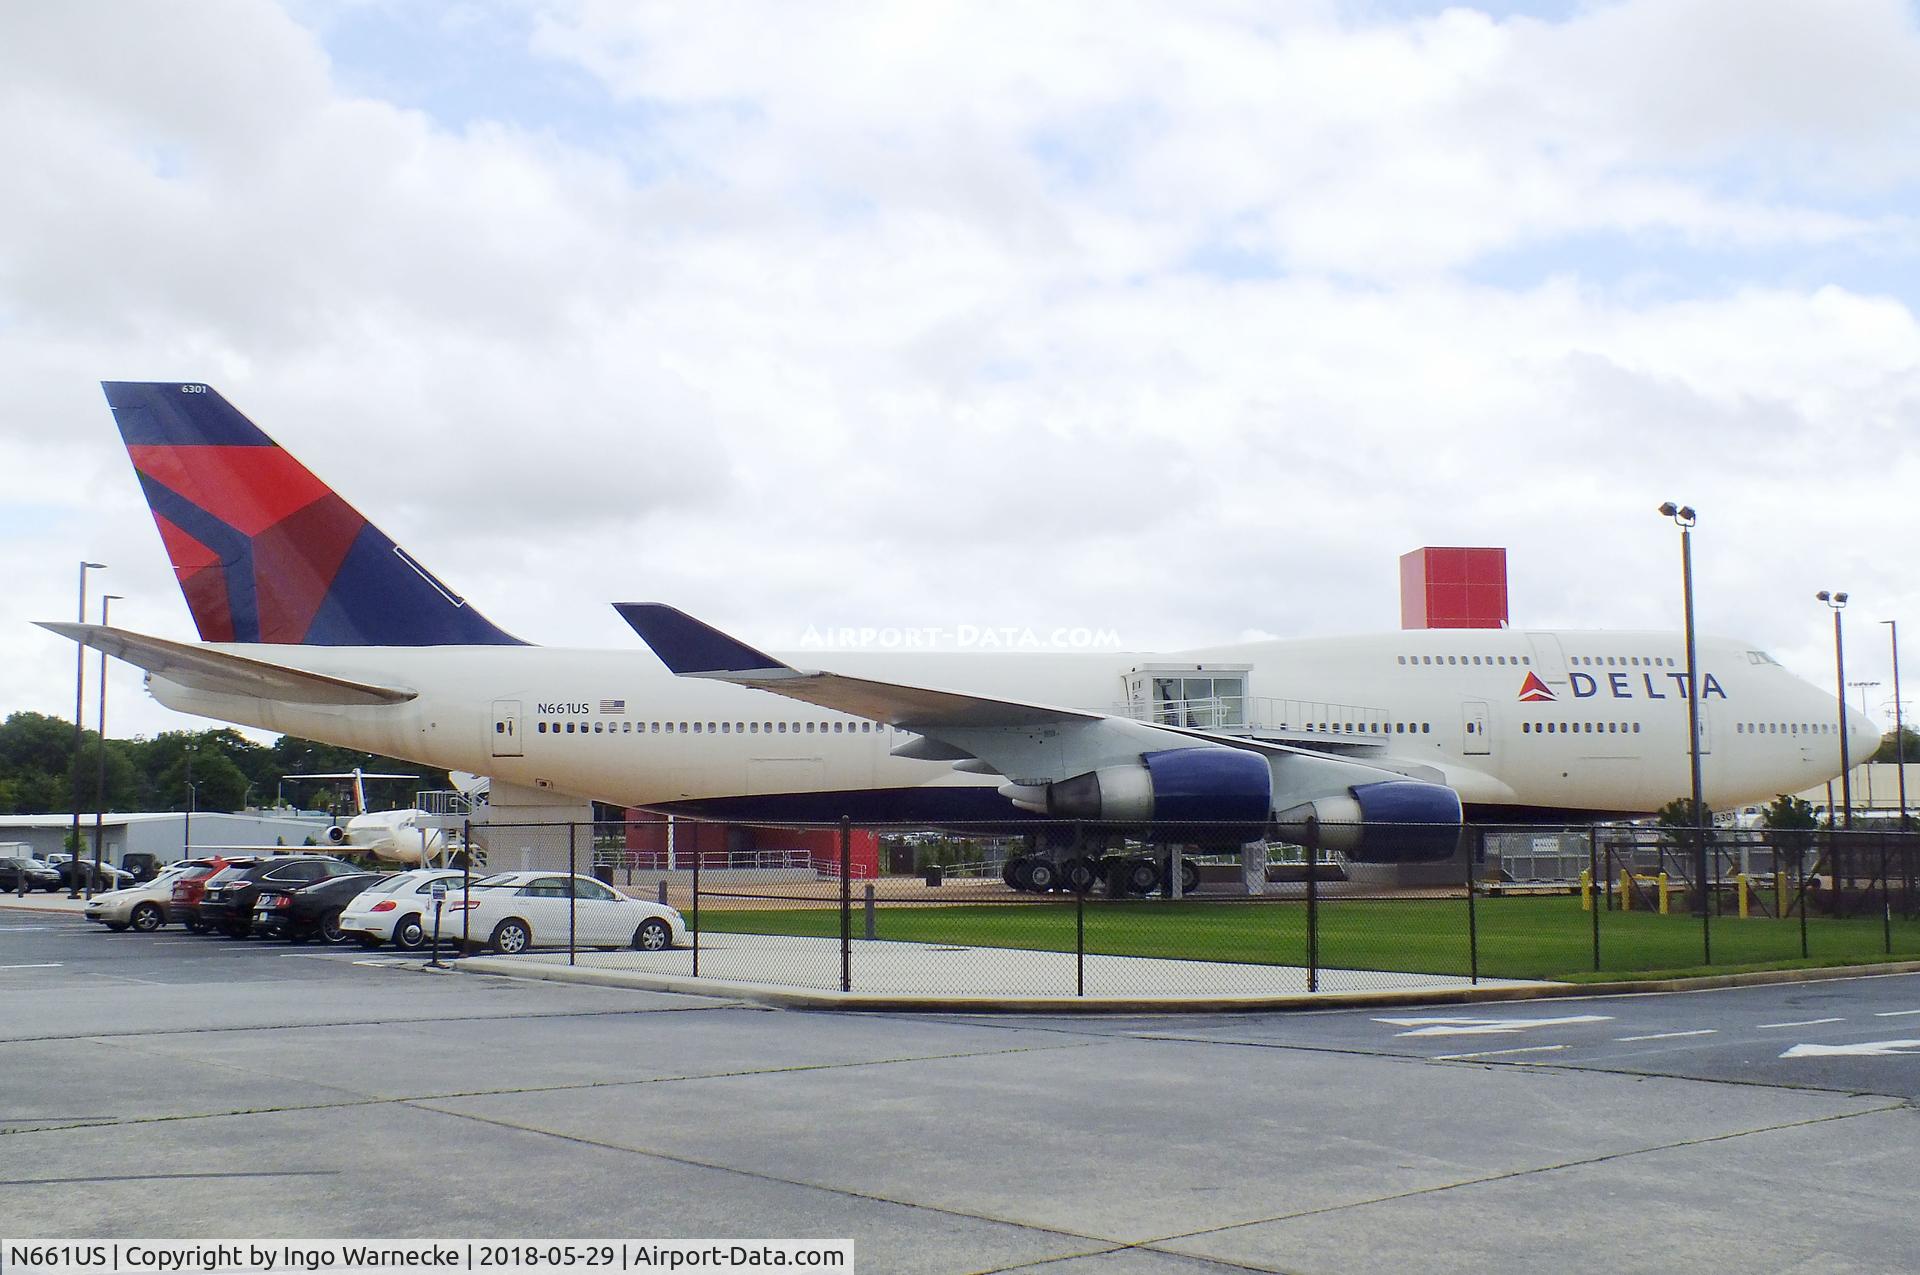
(1197, 796)
(1391, 821)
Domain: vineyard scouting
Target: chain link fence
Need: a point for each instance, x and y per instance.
(1078, 909)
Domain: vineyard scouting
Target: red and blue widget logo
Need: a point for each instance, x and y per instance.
(1535, 691)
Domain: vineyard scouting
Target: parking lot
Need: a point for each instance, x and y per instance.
(166, 1084)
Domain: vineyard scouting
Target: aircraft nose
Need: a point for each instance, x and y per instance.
(1863, 737)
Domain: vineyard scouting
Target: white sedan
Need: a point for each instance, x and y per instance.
(514, 911)
(144, 907)
(398, 909)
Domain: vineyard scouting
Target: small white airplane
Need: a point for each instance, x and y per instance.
(396, 836)
(314, 623)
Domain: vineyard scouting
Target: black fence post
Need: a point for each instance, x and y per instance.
(846, 903)
(466, 886)
(697, 856)
(1804, 952)
(1311, 854)
(1593, 893)
(1886, 898)
(1706, 900)
(1473, 925)
(1080, 914)
(573, 892)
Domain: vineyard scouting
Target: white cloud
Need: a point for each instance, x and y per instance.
(1153, 318)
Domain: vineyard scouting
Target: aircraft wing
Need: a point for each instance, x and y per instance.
(221, 673)
(1030, 744)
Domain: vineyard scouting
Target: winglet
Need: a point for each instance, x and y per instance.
(692, 648)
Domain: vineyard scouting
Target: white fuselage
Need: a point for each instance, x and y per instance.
(1605, 729)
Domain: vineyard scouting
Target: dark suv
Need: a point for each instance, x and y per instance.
(227, 904)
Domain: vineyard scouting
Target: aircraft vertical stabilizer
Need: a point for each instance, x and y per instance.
(265, 551)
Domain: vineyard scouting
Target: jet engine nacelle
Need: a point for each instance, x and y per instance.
(1213, 796)
(1392, 821)
(336, 835)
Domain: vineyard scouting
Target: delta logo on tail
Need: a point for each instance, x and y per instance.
(1534, 691)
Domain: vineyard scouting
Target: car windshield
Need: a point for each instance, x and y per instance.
(496, 880)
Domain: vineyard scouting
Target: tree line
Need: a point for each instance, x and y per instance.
(38, 769)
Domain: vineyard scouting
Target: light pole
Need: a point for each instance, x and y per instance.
(100, 767)
(1684, 518)
(79, 732)
(1838, 602)
(186, 837)
(1899, 728)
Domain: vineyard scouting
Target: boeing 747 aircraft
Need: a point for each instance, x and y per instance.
(314, 623)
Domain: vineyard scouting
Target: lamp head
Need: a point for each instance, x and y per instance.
(1824, 596)
(1669, 509)
(93, 566)
(1840, 598)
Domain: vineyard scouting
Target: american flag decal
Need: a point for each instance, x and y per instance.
(613, 706)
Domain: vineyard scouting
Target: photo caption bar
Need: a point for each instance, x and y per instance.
(516, 1256)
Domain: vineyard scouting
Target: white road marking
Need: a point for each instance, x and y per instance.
(1895, 1013)
(1457, 1025)
(43, 965)
(1704, 1031)
(1496, 1053)
(1864, 1049)
(23, 929)
(1805, 1022)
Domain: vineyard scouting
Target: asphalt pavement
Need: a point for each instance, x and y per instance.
(171, 1085)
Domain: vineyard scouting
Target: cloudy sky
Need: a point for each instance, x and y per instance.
(1181, 321)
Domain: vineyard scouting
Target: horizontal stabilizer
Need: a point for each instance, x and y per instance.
(219, 673)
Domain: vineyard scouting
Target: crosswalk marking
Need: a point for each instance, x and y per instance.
(1863, 1049)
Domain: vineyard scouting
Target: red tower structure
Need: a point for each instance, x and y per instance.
(1453, 588)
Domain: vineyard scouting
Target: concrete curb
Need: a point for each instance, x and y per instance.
(812, 998)
(63, 908)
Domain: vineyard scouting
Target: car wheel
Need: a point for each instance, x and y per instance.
(511, 937)
(330, 931)
(654, 935)
(194, 925)
(116, 926)
(147, 918)
(408, 934)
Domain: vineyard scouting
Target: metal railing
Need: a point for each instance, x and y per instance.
(1261, 715)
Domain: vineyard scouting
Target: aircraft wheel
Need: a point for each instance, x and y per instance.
(1043, 875)
(1022, 874)
(1009, 870)
(1079, 874)
(1189, 876)
(1142, 876)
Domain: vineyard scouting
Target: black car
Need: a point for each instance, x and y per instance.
(311, 911)
(227, 904)
(83, 873)
(144, 866)
(39, 876)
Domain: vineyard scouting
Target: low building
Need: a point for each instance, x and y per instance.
(165, 833)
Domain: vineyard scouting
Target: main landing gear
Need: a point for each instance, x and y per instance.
(1123, 875)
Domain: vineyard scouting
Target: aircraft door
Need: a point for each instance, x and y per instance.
(1475, 739)
(1549, 660)
(505, 733)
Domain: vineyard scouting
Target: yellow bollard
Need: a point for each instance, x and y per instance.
(1779, 894)
(1586, 889)
(1626, 890)
(1740, 889)
(1663, 893)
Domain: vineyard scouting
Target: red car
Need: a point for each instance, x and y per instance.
(193, 883)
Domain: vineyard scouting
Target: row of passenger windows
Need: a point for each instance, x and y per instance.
(1466, 659)
(1579, 728)
(1785, 728)
(1368, 728)
(1623, 661)
(705, 728)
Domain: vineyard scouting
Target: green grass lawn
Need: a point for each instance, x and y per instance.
(1532, 937)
